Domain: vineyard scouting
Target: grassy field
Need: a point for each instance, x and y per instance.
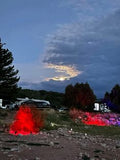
(55, 120)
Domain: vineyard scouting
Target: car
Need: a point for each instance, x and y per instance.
(38, 103)
(63, 109)
(11, 105)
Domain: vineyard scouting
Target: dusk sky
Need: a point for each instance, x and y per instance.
(59, 42)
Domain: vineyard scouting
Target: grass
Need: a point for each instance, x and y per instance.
(56, 120)
(98, 130)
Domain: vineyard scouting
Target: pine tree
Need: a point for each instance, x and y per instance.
(112, 99)
(80, 96)
(69, 96)
(8, 75)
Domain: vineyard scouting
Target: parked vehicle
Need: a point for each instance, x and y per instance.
(11, 106)
(63, 109)
(38, 103)
(5, 104)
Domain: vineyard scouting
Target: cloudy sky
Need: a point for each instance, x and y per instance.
(59, 42)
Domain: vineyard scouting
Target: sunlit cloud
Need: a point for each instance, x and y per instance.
(60, 78)
(67, 72)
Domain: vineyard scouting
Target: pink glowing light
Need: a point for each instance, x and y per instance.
(98, 119)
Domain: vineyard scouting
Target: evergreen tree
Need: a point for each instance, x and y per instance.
(80, 96)
(112, 99)
(8, 75)
(69, 96)
(84, 96)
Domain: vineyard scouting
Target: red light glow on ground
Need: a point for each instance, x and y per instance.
(28, 120)
(97, 119)
(94, 120)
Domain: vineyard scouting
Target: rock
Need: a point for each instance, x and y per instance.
(10, 155)
(84, 145)
(118, 145)
(83, 137)
(5, 152)
(14, 149)
(103, 145)
(70, 138)
(51, 143)
(52, 135)
(80, 154)
(57, 137)
(56, 142)
(85, 157)
(85, 134)
(37, 158)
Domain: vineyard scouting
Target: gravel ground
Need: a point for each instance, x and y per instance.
(61, 144)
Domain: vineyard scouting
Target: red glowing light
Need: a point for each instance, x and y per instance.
(94, 121)
(98, 119)
(28, 120)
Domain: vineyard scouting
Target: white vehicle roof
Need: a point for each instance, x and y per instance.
(21, 100)
(38, 100)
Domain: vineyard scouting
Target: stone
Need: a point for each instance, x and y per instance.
(37, 158)
(103, 145)
(14, 149)
(51, 143)
(10, 155)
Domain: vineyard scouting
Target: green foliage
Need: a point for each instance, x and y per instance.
(55, 98)
(80, 96)
(8, 75)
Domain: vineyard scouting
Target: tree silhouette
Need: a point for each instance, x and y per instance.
(113, 98)
(8, 75)
(80, 96)
(69, 96)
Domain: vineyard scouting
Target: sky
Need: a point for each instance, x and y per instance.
(59, 42)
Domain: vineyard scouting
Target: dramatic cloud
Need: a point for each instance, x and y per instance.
(92, 48)
(83, 46)
(70, 72)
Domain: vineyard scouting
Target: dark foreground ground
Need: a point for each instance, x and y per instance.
(59, 144)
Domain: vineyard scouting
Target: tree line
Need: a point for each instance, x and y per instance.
(112, 99)
(56, 99)
(8, 75)
(80, 95)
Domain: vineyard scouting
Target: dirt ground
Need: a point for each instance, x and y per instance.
(61, 144)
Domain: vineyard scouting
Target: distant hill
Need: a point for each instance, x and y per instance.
(55, 98)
